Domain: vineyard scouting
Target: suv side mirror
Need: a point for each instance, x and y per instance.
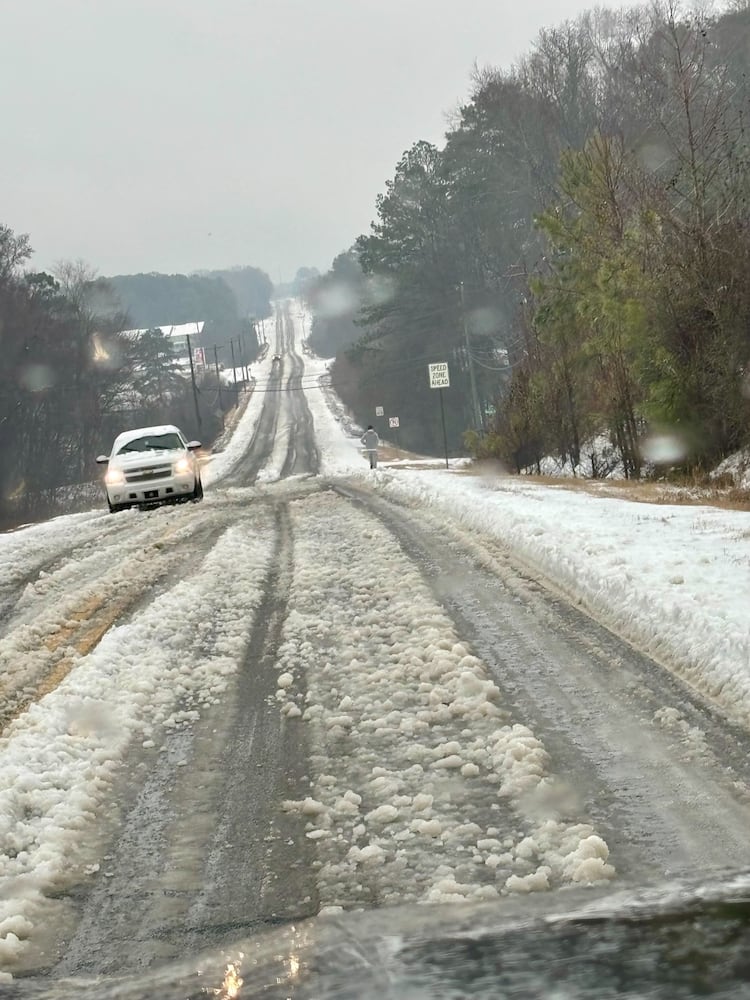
(102, 459)
(192, 445)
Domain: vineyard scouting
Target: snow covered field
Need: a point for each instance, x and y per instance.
(673, 580)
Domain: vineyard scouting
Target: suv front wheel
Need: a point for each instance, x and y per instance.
(115, 508)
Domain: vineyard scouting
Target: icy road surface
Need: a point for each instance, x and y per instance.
(307, 694)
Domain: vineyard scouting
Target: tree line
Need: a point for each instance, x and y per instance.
(578, 251)
(71, 379)
(228, 302)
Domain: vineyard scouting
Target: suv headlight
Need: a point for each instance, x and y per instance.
(183, 465)
(114, 476)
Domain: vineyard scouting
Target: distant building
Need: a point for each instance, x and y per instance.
(178, 337)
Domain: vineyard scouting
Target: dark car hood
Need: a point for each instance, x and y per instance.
(671, 941)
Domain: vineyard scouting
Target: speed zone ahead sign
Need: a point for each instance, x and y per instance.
(439, 378)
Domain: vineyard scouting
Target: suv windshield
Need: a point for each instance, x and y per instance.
(160, 442)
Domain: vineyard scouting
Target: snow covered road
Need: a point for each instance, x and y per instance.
(323, 688)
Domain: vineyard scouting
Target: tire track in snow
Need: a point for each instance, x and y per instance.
(42, 549)
(302, 454)
(164, 687)
(248, 468)
(665, 778)
(257, 869)
(423, 790)
(64, 614)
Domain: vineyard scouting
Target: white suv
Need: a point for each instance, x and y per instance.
(151, 465)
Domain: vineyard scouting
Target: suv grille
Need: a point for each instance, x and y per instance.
(145, 475)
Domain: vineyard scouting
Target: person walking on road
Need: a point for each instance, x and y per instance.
(371, 441)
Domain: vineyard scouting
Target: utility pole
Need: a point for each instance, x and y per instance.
(234, 373)
(192, 379)
(218, 382)
(478, 419)
(244, 357)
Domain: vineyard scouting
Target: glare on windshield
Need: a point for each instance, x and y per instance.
(163, 442)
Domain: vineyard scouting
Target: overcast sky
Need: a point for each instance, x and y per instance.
(172, 135)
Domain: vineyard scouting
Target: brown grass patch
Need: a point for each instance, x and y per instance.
(695, 493)
(647, 491)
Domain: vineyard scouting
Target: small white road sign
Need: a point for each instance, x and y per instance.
(379, 411)
(393, 421)
(439, 378)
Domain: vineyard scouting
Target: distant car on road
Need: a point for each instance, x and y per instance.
(149, 466)
(276, 360)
